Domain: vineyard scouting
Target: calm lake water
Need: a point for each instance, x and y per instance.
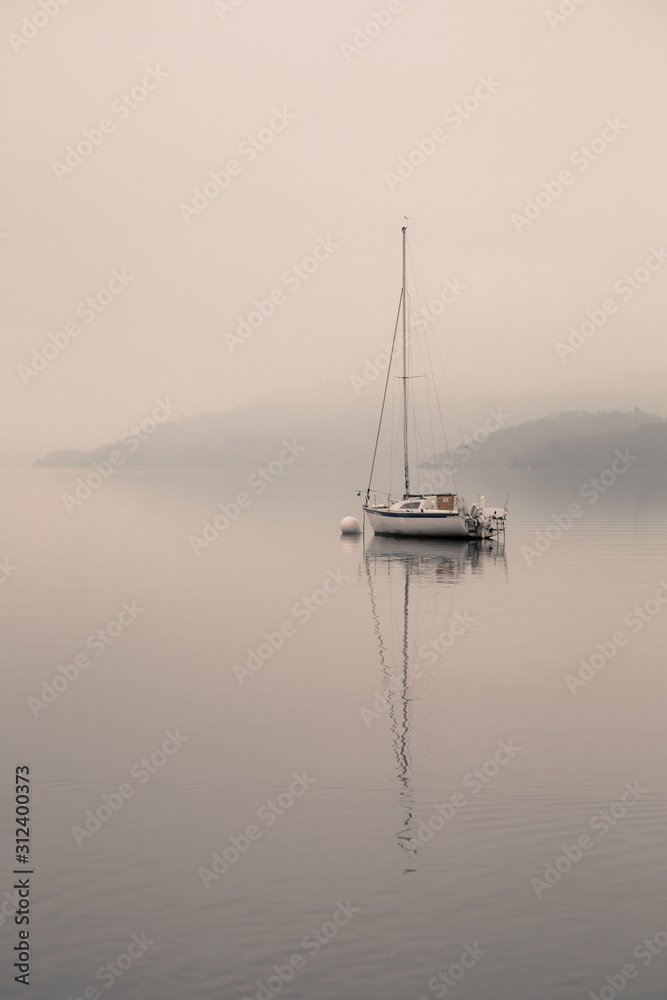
(219, 882)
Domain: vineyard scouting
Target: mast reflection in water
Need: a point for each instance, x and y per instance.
(411, 586)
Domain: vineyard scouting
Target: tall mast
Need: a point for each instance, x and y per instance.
(405, 379)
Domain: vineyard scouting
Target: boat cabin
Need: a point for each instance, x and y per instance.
(441, 501)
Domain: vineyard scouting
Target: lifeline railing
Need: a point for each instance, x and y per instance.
(375, 498)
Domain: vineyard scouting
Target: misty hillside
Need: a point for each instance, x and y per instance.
(647, 442)
(251, 434)
(245, 435)
(573, 438)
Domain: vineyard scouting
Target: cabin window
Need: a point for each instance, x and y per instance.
(410, 506)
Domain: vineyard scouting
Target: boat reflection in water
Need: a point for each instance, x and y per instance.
(411, 585)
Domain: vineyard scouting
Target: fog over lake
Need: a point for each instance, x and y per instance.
(247, 754)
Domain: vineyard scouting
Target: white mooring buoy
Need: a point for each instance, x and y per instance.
(350, 526)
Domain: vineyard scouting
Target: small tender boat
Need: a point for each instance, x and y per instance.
(431, 515)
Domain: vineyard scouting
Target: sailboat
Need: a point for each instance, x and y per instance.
(431, 515)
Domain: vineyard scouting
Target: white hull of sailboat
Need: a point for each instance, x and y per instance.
(439, 524)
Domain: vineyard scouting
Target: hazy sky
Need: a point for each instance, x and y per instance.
(316, 112)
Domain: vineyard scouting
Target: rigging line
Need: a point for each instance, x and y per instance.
(396, 431)
(429, 363)
(409, 395)
(430, 417)
(429, 366)
(437, 398)
(444, 370)
(392, 433)
(426, 318)
(415, 432)
(417, 435)
(384, 397)
(428, 395)
(395, 463)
